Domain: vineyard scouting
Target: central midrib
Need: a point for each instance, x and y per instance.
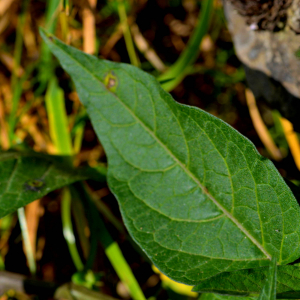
(187, 171)
(204, 189)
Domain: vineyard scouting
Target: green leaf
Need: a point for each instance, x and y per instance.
(269, 289)
(250, 282)
(25, 177)
(193, 192)
(209, 296)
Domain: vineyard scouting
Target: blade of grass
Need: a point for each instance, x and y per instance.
(93, 246)
(68, 229)
(112, 41)
(277, 122)
(105, 211)
(4, 6)
(45, 65)
(127, 35)
(66, 6)
(111, 248)
(116, 258)
(261, 128)
(17, 61)
(17, 92)
(17, 88)
(79, 131)
(32, 220)
(146, 50)
(58, 122)
(19, 40)
(63, 18)
(278, 133)
(180, 68)
(108, 214)
(26, 241)
(81, 224)
(58, 127)
(52, 11)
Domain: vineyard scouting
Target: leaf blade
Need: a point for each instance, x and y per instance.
(208, 296)
(164, 162)
(268, 291)
(25, 177)
(250, 282)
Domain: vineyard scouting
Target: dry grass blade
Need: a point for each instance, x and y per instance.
(114, 38)
(292, 140)
(146, 50)
(89, 30)
(5, 5)
(32, 213)
(261, 128)
(8, 60)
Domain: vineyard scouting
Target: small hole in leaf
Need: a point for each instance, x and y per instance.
(34, 185)
(111, 81)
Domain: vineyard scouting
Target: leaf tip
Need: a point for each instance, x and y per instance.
(45, 35)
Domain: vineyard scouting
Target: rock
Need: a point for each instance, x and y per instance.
(272, 68)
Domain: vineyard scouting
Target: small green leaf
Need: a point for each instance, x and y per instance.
(194, 193)
(25, 177)
(269, 289)
(250, 282)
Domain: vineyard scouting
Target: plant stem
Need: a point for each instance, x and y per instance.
(68, 229)
(180, 68)
(64, 26)
(123, 270)
(58, 127)
(111, 248)
(127, 35)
